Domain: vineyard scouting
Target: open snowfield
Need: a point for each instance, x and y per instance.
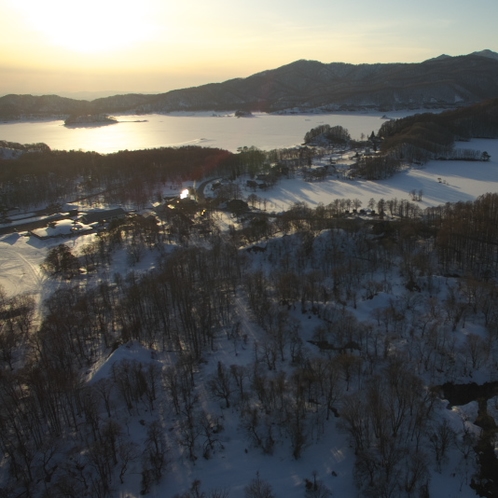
(20, 259)
(332, 458)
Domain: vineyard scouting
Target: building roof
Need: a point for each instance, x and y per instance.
(61, 228)
(103, 215)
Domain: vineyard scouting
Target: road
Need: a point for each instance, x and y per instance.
(200, 189)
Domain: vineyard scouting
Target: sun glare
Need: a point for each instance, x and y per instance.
(90, 27)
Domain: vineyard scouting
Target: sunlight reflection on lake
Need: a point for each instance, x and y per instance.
(265, 131)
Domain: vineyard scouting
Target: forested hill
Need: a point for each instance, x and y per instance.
(302, 85)
(429, 135)
(475, 121)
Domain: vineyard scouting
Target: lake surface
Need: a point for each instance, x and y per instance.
(265, 131)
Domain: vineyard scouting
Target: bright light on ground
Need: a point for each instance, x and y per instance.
(184, 194)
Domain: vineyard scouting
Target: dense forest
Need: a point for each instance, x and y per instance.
(50, 177)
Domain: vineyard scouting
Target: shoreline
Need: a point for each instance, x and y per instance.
(396, 113)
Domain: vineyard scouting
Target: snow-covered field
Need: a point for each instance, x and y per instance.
(238, 463)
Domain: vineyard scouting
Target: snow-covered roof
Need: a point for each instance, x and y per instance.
(62, 228)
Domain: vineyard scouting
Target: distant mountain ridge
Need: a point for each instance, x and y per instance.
(304, 85)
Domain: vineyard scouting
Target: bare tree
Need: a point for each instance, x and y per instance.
(443, 436)
(316, 488)
(154, 456)
(220, 384)
(258, 488)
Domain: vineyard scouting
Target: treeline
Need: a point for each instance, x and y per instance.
(477, 121)
(376, 167)
(51, 177)
(37, 147)
(423, 137)
(465, 234)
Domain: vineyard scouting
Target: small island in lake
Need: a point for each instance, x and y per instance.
(90, 120)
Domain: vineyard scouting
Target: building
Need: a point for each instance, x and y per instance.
(103, 216)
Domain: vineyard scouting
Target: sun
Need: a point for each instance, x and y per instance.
(93, 26)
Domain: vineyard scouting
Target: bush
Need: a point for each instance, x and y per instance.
(258, 488)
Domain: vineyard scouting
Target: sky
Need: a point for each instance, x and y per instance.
(66, 47)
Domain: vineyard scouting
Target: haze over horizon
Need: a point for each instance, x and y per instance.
(106, 47)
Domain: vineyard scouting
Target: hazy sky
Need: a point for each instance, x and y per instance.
(61, 46)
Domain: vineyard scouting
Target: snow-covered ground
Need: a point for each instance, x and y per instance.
(331, 458)
(20, 259)
(237, 463)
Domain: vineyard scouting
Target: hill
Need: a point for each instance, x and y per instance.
(442, 82)
(432, 136)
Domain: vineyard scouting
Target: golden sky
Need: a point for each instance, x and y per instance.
(63, 46)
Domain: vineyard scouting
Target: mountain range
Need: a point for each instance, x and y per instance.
(301, 86)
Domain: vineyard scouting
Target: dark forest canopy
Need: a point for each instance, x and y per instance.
(51, 176)
(185, 162)
(476, 121)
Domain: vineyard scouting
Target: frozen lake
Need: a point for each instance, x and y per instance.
(223, 130)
